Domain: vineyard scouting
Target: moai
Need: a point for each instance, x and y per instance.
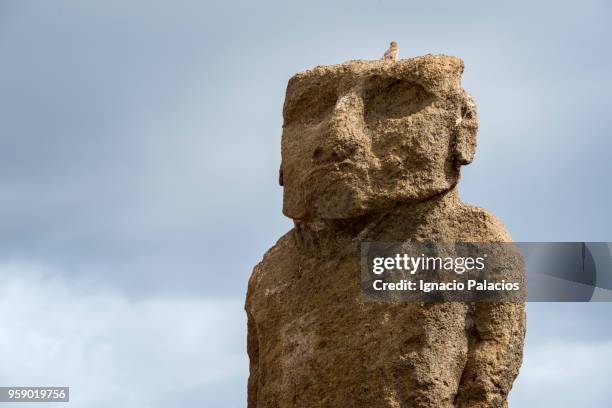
(372, 151)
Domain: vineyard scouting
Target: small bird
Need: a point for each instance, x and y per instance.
(391, 53)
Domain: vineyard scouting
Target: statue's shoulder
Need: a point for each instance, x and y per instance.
(481, 225)
(277, 263)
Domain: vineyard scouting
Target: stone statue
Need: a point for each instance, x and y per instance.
(372, 152)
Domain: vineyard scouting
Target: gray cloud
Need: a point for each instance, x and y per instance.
(116, 351)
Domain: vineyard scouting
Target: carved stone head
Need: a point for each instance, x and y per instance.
(364, 135)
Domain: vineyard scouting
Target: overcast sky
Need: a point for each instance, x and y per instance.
(139, 151)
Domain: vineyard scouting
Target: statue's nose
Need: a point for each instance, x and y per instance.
(347, 114)
(344, 130)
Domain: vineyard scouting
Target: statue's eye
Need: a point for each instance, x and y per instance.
(311, 105)
(391, 98)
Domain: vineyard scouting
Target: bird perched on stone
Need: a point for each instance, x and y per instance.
(391, 53)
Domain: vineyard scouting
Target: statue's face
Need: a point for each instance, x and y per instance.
(365, 136)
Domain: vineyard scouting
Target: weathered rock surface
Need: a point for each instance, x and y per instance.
(371, 151)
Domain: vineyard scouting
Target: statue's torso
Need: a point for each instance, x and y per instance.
(321, 343)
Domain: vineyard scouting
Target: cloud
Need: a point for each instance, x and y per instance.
(113, 351)
(564, 374)
(568, 355)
